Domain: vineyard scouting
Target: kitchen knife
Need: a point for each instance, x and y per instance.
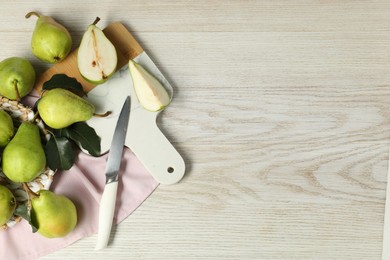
(107, 202)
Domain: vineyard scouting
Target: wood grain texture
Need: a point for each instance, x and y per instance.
(281, 110)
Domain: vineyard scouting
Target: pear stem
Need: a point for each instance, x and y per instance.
(51, 133)
(96, 21)
(43, 91)
(16, 90)
(35, 117)
(29, 192)
(103, 115)
(32, 13)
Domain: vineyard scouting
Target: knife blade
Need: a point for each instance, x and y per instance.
(107, 202)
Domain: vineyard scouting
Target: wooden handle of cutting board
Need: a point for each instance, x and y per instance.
(126, 47)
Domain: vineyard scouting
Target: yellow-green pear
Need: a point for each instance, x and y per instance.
(150, 92)
(6, 128)
(17, 77)
(51, 42)
(54, 215)
(96, 57)
(23, 158)
(7, 204)
(59, 108)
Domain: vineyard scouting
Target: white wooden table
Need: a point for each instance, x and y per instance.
(281, 111)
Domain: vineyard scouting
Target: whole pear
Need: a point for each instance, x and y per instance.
(51, 42)
(7, 204)
(17, 78)
(6, 128)
(54, 215)
(24, 158)
(96, 56)
(60, 108)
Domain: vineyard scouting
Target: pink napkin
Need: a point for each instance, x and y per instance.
(83, 184)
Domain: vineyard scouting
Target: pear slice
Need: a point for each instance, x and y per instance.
(96, 57)
(150, 92)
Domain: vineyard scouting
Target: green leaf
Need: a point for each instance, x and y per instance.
(59, 153)
(84, 136)
(23, 212)
(65, 82)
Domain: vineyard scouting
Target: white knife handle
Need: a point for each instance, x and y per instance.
(153, 149)
(106, 214)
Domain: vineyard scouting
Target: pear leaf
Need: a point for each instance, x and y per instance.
(59, 153)
(65, 82)
(23, 212)
(84, 136)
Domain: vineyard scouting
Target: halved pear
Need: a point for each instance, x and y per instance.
(150, 92)
(96, 57)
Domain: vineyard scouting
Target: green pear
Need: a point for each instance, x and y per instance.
(96, 56)
(51, 42)
(59, 108)
(17, 78)
(54, 215)
(7, 204)
(6, 128)
(150, 92)
(24, 158)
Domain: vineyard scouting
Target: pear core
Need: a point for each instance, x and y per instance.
(96, 57)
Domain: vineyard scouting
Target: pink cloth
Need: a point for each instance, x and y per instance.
(83, 184)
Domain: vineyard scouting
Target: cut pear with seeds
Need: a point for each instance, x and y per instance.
(96, 56)
(150, 92)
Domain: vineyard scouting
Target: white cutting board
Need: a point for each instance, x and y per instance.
(144, 137)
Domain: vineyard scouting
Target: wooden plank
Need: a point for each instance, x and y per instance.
(282, 111)
(386, 228)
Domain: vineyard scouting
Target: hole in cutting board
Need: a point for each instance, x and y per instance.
(170, 170)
